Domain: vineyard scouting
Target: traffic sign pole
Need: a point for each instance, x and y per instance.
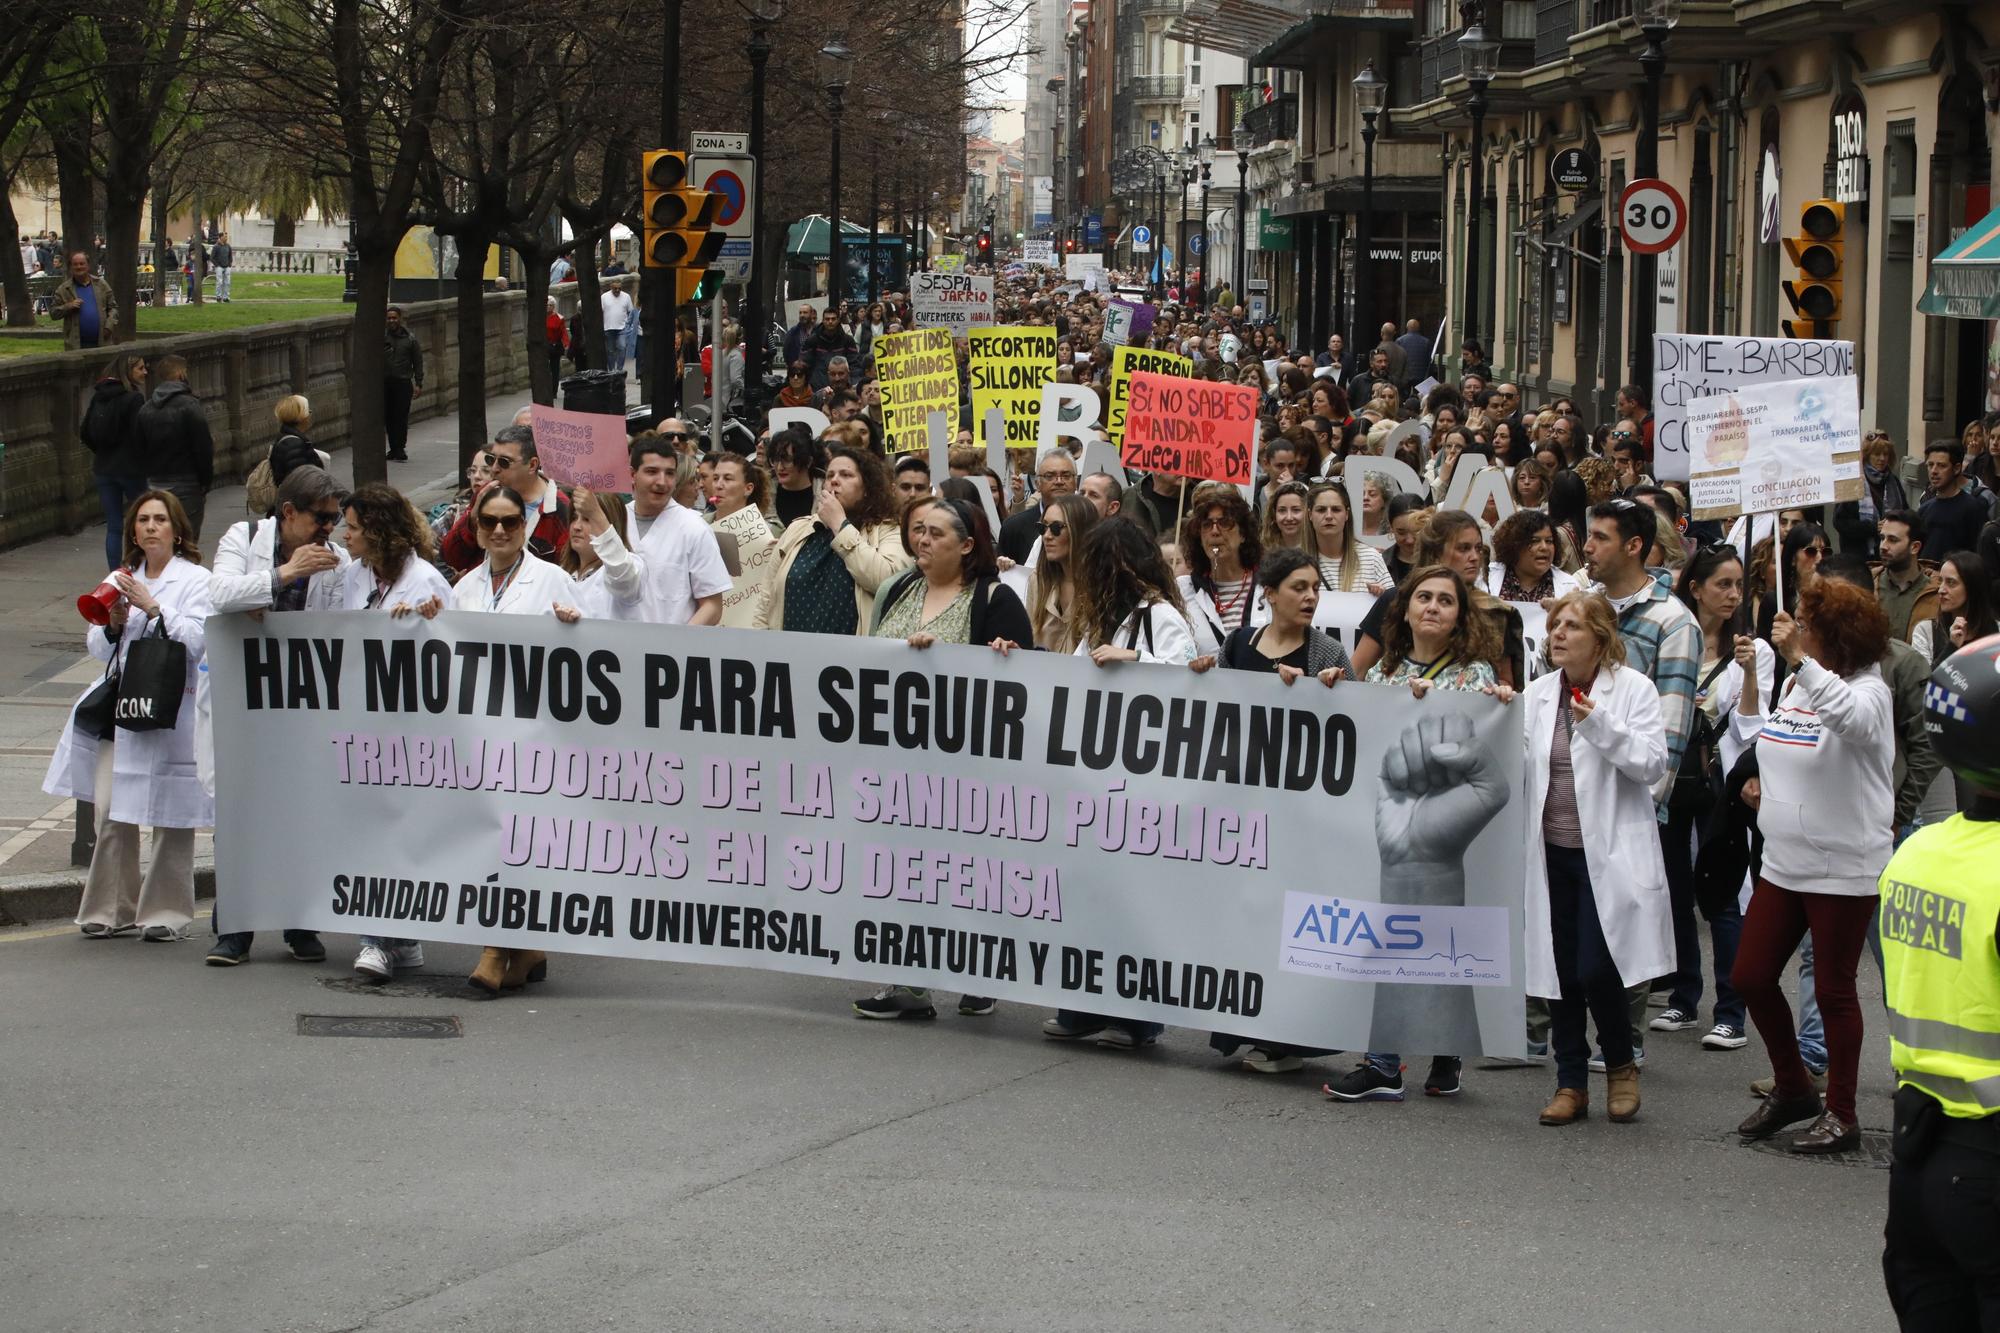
(1652, 217)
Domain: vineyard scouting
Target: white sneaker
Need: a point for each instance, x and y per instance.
(1725, 1037)
(373, 962)
(161, 934)
(406, 956)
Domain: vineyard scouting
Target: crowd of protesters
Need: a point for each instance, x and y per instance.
(1721, 729)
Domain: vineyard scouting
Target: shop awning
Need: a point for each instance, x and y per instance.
(807, 237)
(1965, 276)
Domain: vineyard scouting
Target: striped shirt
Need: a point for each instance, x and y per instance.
(1663, 640)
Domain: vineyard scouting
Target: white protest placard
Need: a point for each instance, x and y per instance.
(1764, 448)
(1038, 254)
(954, 301)
(1130, 840)
(1078, 265)
(1687, 366)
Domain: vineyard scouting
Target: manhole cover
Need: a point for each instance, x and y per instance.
(360, 1025)
(407, 986)
(1873, 1152)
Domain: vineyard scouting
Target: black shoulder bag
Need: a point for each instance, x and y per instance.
(1698, 784)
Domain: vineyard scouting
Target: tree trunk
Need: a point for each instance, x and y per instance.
(284, 230)
(71, 142)
(471, 292)
(13, 278)
(535, 281)
(162, 193)
(375, 264)
(122, 209)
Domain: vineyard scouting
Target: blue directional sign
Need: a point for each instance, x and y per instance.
(1142, 237)
(1197, 243)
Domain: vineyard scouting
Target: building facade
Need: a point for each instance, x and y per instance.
(1884, 107)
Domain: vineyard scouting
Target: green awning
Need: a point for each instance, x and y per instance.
(1965, 276)
(807, 237)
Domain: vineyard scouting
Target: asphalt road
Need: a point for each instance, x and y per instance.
(646, 1146)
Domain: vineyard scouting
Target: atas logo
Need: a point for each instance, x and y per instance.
(1343, 926)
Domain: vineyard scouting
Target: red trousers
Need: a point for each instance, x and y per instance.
(1772, 929)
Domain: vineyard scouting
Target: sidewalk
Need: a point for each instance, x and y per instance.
(43, 668)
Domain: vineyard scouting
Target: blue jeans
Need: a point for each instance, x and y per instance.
(1725, 928)
(116, 495)
(614, 349)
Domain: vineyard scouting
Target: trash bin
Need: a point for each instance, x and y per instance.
(595, 391)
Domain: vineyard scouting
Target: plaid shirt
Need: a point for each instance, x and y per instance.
(1663, 639)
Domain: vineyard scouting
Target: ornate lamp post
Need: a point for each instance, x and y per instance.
(764, 14)
(1480, 59)
(836, 68)
(1370, 89)
(1205, 153)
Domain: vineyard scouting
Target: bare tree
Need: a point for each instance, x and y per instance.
(351, 88)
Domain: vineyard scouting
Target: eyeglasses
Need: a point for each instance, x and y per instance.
(1057, 475)
(1623, 435)
(1217, 521)
(675, 435)
(1054, 528)
(500, 462)
(501, 522)
(1816, 552)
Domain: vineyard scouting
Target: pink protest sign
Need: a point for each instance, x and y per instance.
(583, 448)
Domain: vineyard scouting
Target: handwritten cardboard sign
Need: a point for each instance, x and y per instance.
(1010, 364)
(1126, 362)
(1191, 428)
(583, 448)
(919, 375)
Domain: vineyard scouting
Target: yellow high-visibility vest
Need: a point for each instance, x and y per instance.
(1940, 900)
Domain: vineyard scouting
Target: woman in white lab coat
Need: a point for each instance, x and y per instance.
(609, 578)
(1597, 917)
(510, 579)
(391, 572)
(143, 777)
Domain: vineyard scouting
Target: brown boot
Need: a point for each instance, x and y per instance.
(491, 973)
(1622, 1096)
(1568, 1106)
(523, 966)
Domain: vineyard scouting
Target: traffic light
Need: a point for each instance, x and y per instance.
(985, 243)
(1817, 252)
(679, 223)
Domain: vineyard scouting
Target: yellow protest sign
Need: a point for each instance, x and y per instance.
(1124, 362)
(919, 376)
(1010, 365)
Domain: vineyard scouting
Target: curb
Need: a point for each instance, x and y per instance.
(25, 899)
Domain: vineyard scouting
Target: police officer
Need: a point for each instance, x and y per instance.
(1940, 924)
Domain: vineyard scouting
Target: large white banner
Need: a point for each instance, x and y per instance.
(1337, 867)
(954, 301)
(1770, 447)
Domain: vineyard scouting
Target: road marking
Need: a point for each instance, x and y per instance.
(55, 932)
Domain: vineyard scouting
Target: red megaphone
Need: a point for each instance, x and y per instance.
(95, 605)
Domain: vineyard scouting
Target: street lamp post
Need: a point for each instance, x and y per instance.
(836, 67)
(1480, 56)
(763, 14)
(1205, 153)
(1160, 227)
(1370, 89)
(1242, 227)
(1189, 166)
(1656, 19)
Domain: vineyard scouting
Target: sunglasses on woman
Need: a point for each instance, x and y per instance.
(1054, 528)
(500, 522)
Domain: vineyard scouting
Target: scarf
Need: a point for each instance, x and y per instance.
(1885, 485)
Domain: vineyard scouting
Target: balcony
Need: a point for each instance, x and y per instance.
(1440, 59)
(1156, 88)
(1555, 24)
(1271, 121)
(1139, 9)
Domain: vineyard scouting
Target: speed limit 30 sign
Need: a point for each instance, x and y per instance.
(1651, 216)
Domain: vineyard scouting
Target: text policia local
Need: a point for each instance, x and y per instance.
(1197, 740)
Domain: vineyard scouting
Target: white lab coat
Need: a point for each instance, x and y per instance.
(1205, 618)
(1565, 584)
(245, 560)
(1616, 755)
(1172, 642)
(616, 588)
(154, 780)
(417, 584)
(536, 591)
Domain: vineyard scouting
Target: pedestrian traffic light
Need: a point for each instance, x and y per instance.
(1817, 252)
(679, 223)
(985, 244)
